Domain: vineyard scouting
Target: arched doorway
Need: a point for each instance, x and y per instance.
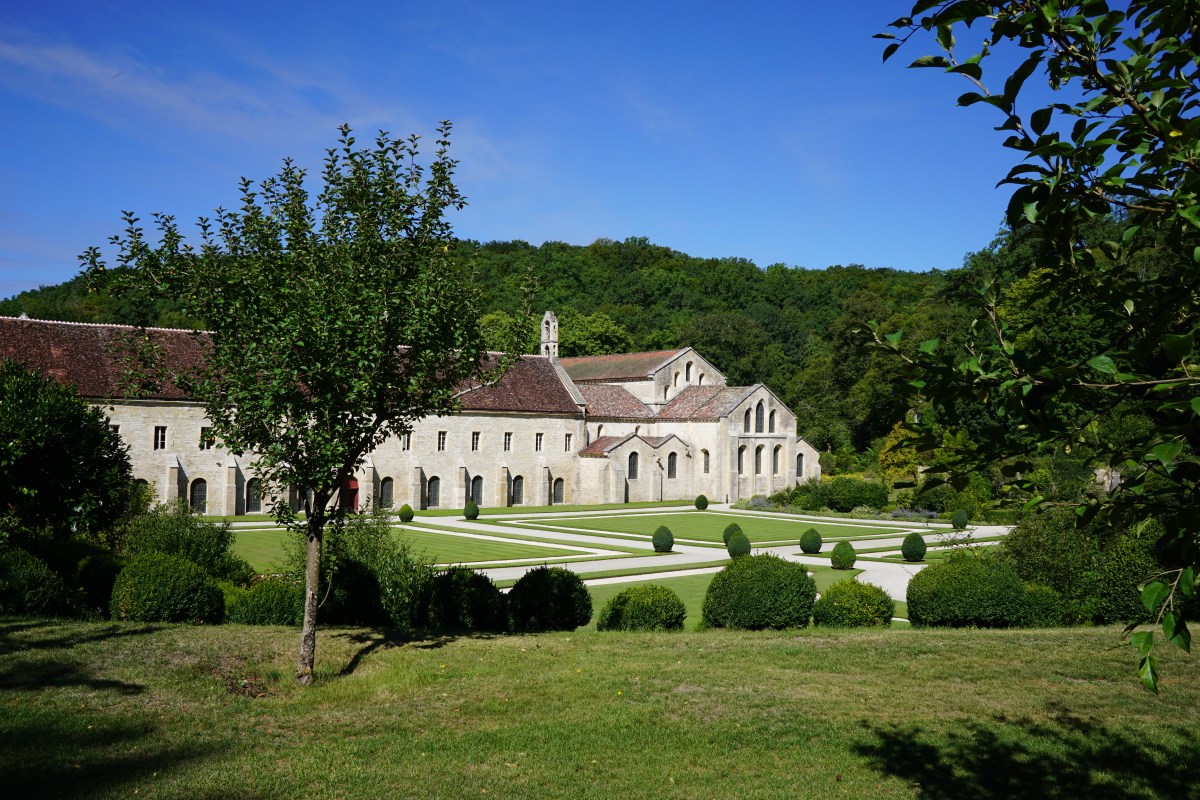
(386, 493)
(198, 496)
(253, 496)
(433, 492)
(517, 497)
(477, 490)
(556, 493)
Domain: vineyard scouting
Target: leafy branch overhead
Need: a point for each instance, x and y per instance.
(1106, 199)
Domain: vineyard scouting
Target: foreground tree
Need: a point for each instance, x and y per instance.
(1121, 140)
(333, 322)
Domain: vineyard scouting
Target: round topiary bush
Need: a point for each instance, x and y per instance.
(811, 541)
(967, 590)
(268, 602)
(913, 547)
(406, 513)
(701, 502)
(852, 604)
(730, 530)
(645, 607)
(843, 556)
(961, 519)
(549, 599)
(759, 592)
(154, 587)
(460, 598)
(471, 511)
(663, 539)
(738, 545)
(1043, 606)
(29, 586)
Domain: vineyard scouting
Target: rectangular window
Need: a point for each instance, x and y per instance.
(115, 429)
(567, 443)
(537, 443)
(206, 439)
(441, 440)
(160, 437)
(475, 440)
(406, 441)
(507, 442)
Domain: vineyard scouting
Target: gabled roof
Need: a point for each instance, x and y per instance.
(705, 402)
(619, 367)
(612, 401)
(600, 446)
(96, 360)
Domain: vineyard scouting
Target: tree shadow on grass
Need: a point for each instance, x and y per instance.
(1061, 760)
(372, 640)
(42, 638)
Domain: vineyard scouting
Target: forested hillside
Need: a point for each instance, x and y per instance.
(793, 329)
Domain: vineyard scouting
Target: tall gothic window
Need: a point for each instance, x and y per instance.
(633, 466)
(758, 417)
(671, 464)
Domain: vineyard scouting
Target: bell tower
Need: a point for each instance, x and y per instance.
(550, 336)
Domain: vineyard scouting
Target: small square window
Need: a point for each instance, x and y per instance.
(406, 441)
(160, 437)
(567, 443)
(206, 439)
(537, 443)
(475, 440)
(115, 429)
(507, 442)
(441, 440)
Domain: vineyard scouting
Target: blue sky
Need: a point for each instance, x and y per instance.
(769, 131)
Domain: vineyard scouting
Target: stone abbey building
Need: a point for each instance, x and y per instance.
(600, 429)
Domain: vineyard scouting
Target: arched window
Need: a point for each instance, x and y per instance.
(253, 496)
(758, 460)
(758, 417)
(665, 390)
(746, 422)
(385, 493)
(775, 459)
(799, 466)
(771, 422)
(700, 382)
(198, 497)
(518, 491)
(477, 490)
(704, 453)
(687, 372)
(433, 493)
(557, 492)
(742, 458)
(671, 464)
(676, 381)
(599, 431)
(633, 466)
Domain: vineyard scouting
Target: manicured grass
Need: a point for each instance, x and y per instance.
(510, 510)
(264, 549)
(150, 711)
(709, 527)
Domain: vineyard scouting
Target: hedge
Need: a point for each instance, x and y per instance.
(29, 586)
(460, 598)
(842, 556)
(967, 590)
(645, 607)
(272, 601)
(756, 592)
(913, 547)
(155, 587)
(549, 599)
(811, 541)
(663, 540)
(852, 604)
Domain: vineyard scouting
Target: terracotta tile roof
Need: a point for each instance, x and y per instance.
(607, 400)
(600, 446)
(531, 384)
(704, 402)
(95, 359)
(657, 441)
(620, 367)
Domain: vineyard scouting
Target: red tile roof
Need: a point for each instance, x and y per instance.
(95, 359)
(620, 367)
(609, 401)
(600, 446)
(704, 402)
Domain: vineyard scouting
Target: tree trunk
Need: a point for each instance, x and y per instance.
(312, 586)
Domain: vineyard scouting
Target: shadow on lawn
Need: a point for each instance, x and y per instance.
(1067, 758)
(33, 673)
(376, 639)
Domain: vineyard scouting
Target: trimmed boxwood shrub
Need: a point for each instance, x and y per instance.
(843, 556)
(29, 586)
(811, 541)
(913, 547)
(967, 590)
(854, 605)
(1043, 606)
(701, 502)
(646, 607)
(178, 532)
(757, 592)
(471, 511)
(738, 545)
(730, 530)
(549, 599)
(961, 519)
(268, 602)
(406, 513)
(663, 539)
(460, 598)
(155, 587)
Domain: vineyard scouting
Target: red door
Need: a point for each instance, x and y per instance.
(349, 495)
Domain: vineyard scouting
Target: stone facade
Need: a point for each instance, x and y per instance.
(603, 429)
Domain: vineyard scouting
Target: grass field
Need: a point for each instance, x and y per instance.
(149, 711)
(709, 526)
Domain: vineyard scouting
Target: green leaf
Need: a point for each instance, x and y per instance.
(1129, 307)
(1034, 503)
(894, 338)
(1176, 347)
(1176, 630)
(890, 50)
(1196, 406)
(1103, 364)
(1148, 674)
(1153, 594)
(945, 37)
(1191, 214)
(1143, 641)
(1165, 453)
(929, 345)
(969, 98)
(930, 61)
(1187, 582)
(1040, 120)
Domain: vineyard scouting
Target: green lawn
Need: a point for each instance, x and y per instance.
(691, 589)
(98, 710)
(709, 527)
